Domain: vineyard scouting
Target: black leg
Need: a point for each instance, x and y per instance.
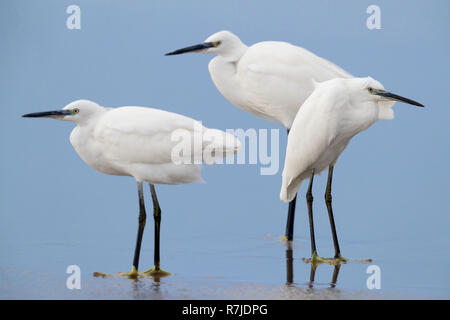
(328, 200)
(309, 202)
(312, 275)
(142, 218)
(290, 218)
(337, 267)
(157, 218)
(289, 265)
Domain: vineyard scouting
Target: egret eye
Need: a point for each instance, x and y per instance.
(217, 43)
(370, 90)
(75, 111)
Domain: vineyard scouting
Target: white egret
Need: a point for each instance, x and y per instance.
(269, 79)
(139, 142)
(333, 114)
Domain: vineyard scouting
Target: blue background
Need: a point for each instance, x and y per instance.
(391, 185)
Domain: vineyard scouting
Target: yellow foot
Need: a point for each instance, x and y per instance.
(286, 242)
(340, 259)
(132, 274)
(316, 260)
(101, 274)
(156, 272)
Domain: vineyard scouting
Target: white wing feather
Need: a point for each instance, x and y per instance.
(139, 135)
(323, 127)
(313, 132)
(139, 142)
(276, 76)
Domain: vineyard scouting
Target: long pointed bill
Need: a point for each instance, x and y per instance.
(392, 96)
(48, 114)
(197, 47)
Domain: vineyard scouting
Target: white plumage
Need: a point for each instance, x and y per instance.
(269, 79)
(138, 142)
(335, 112)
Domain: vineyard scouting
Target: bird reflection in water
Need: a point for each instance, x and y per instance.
(141, 288)
(312, 275)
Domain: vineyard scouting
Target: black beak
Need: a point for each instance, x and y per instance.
(48, 114)
(196, 47)
(392, 96)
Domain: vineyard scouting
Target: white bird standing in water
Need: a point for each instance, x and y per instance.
(333, 114)
(269, 79)
(139, 142)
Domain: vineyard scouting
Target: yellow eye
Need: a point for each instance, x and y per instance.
(370, 90)
(75, 111)
(217, 43)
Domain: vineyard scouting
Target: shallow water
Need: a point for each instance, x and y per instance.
(262, 268)
(220, 238)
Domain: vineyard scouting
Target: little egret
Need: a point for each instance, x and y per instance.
(139, 142)
(269, 79)
(333, 114)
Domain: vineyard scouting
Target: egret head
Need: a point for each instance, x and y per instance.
(223, 43)
(79, 111)
(370, 90)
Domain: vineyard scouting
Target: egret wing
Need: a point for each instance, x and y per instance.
(277, 77)
(152, 136)
(141, 135)
(314, 130)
